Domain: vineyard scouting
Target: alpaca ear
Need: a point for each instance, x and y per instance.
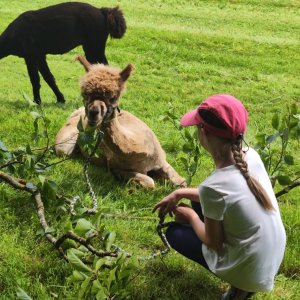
(84, 62)
(125, 73)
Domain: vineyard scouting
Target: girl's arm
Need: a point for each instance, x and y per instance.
(169, 203)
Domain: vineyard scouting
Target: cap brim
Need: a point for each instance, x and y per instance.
(191, 118)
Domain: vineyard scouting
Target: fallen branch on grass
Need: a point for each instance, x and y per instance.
(23, 185)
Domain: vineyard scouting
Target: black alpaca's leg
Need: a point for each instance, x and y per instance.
(49, 78)
(95, 52)
(33, 73)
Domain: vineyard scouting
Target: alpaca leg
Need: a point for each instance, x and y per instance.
(169, 173)
(95, 51)
(136, 177)
(49, 78)
(33, 73)
(67, 136)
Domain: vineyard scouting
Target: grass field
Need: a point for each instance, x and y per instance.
(183, 51)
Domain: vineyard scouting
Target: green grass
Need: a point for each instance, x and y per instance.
(183, 51)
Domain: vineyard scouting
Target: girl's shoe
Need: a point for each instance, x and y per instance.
(236, 294)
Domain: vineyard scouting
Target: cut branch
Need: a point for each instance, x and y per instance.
(71, 235)
(19, 184)
(23, 185)
(288, 188)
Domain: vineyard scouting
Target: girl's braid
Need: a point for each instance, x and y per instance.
(236, 149)
(256, 188)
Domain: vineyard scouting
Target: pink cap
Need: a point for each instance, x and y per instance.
(229, 110)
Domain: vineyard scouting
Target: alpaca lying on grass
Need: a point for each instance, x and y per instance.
(56, 30)
(131, 149)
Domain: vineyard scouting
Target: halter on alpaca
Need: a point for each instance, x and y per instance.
(129, 146)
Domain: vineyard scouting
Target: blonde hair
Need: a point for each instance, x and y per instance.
(254, 185)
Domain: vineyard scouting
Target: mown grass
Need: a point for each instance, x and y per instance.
(183, 51)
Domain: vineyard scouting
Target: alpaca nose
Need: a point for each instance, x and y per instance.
(93, 113)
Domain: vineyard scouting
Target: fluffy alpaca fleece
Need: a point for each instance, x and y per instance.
(130, 148)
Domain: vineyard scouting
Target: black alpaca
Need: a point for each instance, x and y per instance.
(56, 30)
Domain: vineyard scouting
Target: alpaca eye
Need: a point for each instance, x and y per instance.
(112, 100)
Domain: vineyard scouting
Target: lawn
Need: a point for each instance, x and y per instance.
(183, 51)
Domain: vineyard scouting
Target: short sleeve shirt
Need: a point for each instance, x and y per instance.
(254, 238)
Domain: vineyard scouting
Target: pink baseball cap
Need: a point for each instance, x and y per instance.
(229, 111)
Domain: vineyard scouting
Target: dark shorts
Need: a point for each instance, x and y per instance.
(184, 240)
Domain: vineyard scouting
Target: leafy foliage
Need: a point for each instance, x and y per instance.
(189, 154)
(275, 149)
(95, 273)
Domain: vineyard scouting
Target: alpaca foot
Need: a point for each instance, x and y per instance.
(143, 180)
(38, 101)
(61, 99)
(170, 174)
(138, 178)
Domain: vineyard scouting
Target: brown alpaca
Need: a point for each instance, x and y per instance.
(131, 149)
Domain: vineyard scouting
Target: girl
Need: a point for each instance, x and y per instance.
(233, 228)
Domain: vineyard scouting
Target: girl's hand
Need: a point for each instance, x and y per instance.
(167, 204)
(184, 214)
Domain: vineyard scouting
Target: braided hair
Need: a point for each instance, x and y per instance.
(236, 148)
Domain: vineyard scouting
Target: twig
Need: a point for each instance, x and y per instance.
(287, 188)
(43, 222)
(12, 162)
(85, 242)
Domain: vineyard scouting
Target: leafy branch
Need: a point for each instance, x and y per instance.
(98, 269)
(189, 155)
(276, 149)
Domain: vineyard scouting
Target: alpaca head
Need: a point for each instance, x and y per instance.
(101, 88)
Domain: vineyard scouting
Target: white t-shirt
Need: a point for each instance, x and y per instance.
(254, 238)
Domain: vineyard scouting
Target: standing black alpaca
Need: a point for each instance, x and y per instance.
(56, 30)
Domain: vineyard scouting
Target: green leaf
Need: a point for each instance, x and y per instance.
(84, 289)
(50, 230)
(125, 273)
(285, 135)
(31, 186)
(67, 244)
(99, 290)
(67, 225)
(42, 179)
(100, 262)
(272, 138)
(275, 121)
(83, 226)
(2, 147)
(284, 180)
(76, 262)
(193, 167)
(111, 277)
(101, 295)
(110, 240)
(21, 294)
(76, 277)
(288, 159)
(188, 147)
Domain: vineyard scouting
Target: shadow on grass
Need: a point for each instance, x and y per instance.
(175, 278)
